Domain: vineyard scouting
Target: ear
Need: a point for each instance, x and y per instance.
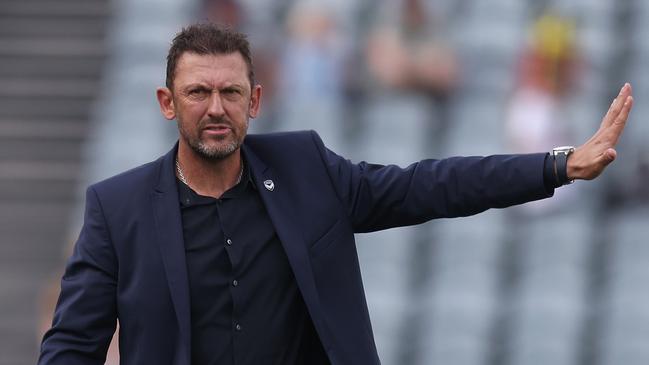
(166, 101)
(255, 101)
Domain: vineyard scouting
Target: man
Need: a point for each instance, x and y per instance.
(233, 249)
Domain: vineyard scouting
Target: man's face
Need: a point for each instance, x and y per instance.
(212, 101)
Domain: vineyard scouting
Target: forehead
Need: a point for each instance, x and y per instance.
(213, 69)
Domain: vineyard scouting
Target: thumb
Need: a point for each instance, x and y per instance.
(608, 156)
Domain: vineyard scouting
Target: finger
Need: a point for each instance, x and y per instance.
(609, 111)
(601, 163)
(616, 105)
(615, 102)
(624, 113)
(620, 121)
(609, 155)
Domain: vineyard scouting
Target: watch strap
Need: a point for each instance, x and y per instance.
(561, 168)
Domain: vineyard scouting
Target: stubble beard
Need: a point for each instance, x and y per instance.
(211, 152)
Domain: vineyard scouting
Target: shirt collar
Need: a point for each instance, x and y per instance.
(188, 197)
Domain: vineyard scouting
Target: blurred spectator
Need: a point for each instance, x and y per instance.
(412, 71)
(546, 74)
(310, 87)
(405, 53)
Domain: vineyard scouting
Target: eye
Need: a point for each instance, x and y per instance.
(197, 91)
(231, 93)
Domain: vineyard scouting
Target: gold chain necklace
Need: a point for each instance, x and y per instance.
(184, 179)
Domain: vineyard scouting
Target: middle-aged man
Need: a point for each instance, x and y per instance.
(240, 250)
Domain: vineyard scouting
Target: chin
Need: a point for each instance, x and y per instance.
(218, 152)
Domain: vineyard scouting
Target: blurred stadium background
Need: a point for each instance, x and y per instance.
(558, 282)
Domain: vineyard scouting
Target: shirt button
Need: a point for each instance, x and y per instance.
(229, 242)
(235, 282)
(237, 327)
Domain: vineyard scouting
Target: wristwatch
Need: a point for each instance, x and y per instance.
(560, 155)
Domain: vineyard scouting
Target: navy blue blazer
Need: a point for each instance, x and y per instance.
(129, 260)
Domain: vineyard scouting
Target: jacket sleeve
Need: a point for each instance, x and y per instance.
(379, 197)
(85, 316)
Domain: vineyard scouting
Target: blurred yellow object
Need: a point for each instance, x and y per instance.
(554, 36)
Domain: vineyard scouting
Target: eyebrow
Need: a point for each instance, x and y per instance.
(233, 86)
(195, 85)
(208, 87)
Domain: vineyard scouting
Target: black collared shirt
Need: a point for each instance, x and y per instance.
(245, 304)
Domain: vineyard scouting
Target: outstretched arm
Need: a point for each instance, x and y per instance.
(590, 159)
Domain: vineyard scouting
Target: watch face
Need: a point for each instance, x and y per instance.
(566, 150)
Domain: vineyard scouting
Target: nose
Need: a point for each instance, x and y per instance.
(215, 107)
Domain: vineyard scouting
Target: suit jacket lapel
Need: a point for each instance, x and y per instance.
(169, 235)
(279, 205)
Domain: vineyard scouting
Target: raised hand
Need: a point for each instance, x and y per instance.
(590, 159)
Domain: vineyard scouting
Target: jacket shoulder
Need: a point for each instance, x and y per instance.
(293, 145)
(283, 139)
(143, 176)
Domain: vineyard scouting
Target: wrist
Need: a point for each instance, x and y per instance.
(572, 172)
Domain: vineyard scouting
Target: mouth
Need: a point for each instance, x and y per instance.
(216, 130)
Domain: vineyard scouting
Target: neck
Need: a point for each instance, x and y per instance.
(209, 177)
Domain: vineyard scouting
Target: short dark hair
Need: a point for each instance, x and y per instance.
(208, 39)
